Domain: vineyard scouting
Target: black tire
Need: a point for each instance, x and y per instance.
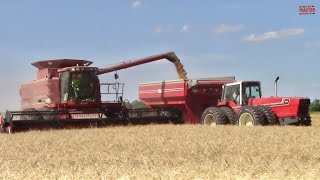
(213, 116)
(269, 115)
(306, 122)
(230, 115)
(250, 115)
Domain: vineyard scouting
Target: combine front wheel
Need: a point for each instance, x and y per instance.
(212, 116)
(250, 116)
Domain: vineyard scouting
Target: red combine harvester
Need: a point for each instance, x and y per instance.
(69, 93)
(224, 101)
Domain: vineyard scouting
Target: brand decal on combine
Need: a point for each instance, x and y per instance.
(303, 10)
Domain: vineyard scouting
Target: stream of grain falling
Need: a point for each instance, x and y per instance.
(180, 70)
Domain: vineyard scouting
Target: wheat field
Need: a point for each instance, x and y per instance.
(163, 151)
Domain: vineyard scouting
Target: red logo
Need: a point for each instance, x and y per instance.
(311, 9)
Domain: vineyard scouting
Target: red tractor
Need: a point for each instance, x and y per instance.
(242, 104)
(222, 100)
(68, 92)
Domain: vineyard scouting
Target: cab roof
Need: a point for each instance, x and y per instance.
(60, 63)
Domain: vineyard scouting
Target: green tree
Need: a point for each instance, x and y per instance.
(136, 104)
(315, 105)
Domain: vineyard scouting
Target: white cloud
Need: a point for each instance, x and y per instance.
(315, 44)
(185, 28)
(159, 29)
(224, 28)
(283, 33)
(136, 3)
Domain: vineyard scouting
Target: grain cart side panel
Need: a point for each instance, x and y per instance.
(160, 94)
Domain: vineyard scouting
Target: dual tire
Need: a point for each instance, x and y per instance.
(247, 116)
(251, 116)
(213, 116)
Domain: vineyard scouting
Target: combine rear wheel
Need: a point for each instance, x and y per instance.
(230, 115)
(212, 116)
(269, 115)
(251, 116)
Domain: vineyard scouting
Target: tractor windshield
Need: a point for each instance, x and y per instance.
(250, 90)
(78, 86)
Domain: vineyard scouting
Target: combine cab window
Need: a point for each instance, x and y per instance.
(78, 86)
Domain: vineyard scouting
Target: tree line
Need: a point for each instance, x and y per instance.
(315, 105)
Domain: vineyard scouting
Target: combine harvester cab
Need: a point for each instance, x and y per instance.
(68, 93)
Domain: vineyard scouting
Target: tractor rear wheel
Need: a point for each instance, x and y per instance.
(306, 122)
(251, 116)
(230, 115)
(269, 115)
(213, 116)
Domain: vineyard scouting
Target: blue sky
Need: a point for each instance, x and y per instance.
(252, 40)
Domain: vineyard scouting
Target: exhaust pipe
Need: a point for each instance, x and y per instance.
(276, 87)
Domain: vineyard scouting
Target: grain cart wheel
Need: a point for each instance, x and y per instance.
(251, 116)
(212, 116)
(230, 115)
(269, 115)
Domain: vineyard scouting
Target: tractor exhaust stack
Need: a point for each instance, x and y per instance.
(276, 87)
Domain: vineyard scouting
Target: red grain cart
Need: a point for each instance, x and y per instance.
(190, 97)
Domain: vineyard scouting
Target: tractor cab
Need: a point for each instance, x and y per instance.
(240, 92)
(79, 84)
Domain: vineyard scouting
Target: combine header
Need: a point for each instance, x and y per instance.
(68, 93)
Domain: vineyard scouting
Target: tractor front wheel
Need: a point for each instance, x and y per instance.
(251, 116)
(212, 116)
